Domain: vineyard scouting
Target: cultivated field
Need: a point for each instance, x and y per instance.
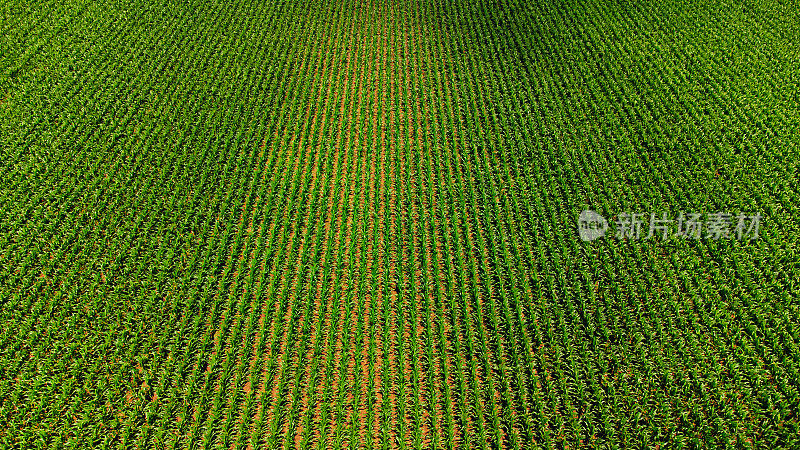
(354, 224)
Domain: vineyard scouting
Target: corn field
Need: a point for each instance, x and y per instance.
(353, 224)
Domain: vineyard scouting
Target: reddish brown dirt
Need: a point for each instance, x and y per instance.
(240, 352)
(371, 257)
(358, 412)
(260, 387)
(302, 362)
(327, 227)
(393, 273)
(383, 272)
(443, 364)
(449, 350)
(427, 314)
(292, 234)
(276, 155)
(305, 394)
(348, 283)
(458, 334)
(312, 171)
(386, 77)
(330, 214)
